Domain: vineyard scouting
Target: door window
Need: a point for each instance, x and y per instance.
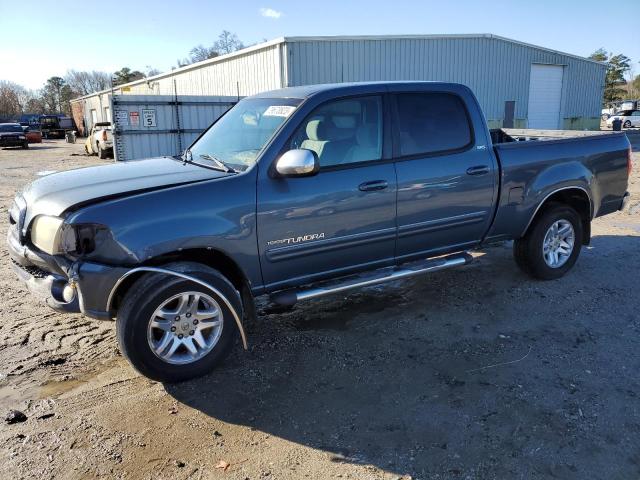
(431, 123)
(343, 132)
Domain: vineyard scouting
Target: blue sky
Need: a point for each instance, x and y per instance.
(49, 37)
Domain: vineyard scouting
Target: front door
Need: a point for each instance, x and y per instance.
(343, 218)
(446, 177)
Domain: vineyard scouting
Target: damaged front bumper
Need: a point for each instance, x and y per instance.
(81, 287)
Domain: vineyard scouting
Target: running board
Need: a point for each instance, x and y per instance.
(292, 296)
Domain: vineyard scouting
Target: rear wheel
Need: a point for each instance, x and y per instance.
(25, 145)
(171, 329)
(101, 153)
(627, 124)
(552, 244)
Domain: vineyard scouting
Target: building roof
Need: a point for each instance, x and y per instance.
(305, 91)
(280, 40)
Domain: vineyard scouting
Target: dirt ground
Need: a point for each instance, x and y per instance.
(472, 373)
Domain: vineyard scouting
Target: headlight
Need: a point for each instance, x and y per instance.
(46, 232)
(53, 236)
(21, 137)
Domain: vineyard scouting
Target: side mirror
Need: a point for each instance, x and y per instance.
(298, 163)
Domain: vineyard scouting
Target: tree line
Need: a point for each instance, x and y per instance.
(621, 82)
(57, 92)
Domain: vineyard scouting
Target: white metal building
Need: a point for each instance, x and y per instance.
(517, 84)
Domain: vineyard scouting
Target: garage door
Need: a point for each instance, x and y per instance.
(545, 95)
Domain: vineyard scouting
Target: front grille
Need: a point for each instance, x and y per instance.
(32, 270)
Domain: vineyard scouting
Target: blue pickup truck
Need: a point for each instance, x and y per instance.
(298, 193)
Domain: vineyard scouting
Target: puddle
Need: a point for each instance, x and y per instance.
(55, 388)
(16, 390)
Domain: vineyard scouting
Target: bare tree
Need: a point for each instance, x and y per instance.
(84, 83)
(227, 43)
(9, 101)
(149, 71)
(200, 53)
(16, 100)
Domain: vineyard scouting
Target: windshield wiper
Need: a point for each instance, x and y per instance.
(219, 163)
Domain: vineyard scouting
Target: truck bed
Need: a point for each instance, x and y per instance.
(509, 135)
(534, 167)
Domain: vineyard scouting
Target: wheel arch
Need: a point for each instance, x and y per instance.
(577, 198)
(212, 258)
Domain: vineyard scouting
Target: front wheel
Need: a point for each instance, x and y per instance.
(25, 145)
(171, 329)
(627, 124)
(552, 244)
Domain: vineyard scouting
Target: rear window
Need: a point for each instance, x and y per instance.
(431, 123)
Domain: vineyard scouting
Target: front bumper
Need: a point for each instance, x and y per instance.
(12, 142)
(46, 278)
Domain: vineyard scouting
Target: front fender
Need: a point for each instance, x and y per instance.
(217, 214)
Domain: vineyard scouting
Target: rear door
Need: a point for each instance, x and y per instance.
(343, 218)
(447, 174)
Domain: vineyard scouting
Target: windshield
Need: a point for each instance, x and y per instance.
(239, 136)
(11, 128)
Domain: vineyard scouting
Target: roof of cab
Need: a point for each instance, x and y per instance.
(307, 91)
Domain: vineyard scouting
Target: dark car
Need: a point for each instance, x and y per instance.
(299, 193)
(13, 135)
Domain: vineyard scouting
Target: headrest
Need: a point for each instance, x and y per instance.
(317, 129)
(366, 135)
(344, 121)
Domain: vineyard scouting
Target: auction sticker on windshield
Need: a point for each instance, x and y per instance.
(279, 111)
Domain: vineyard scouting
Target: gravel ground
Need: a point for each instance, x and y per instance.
(472, 373)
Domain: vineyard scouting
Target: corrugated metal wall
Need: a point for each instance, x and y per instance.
(497, 70)
(240, 75)
(176, 122)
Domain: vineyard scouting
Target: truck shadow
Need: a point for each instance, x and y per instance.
(463, 372)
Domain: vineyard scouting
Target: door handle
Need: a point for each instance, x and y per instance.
(373, 186)
(478, 170)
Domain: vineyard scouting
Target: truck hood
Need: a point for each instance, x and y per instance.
(54, 194)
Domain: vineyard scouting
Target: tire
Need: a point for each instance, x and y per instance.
(142, 302)
(627, 124)
(25, 145)
(101, 153)
(528, 250)
(86, 149)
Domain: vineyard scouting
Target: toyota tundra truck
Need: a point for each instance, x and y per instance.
(299, 193)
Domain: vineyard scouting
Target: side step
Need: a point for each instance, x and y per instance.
(292, 296)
